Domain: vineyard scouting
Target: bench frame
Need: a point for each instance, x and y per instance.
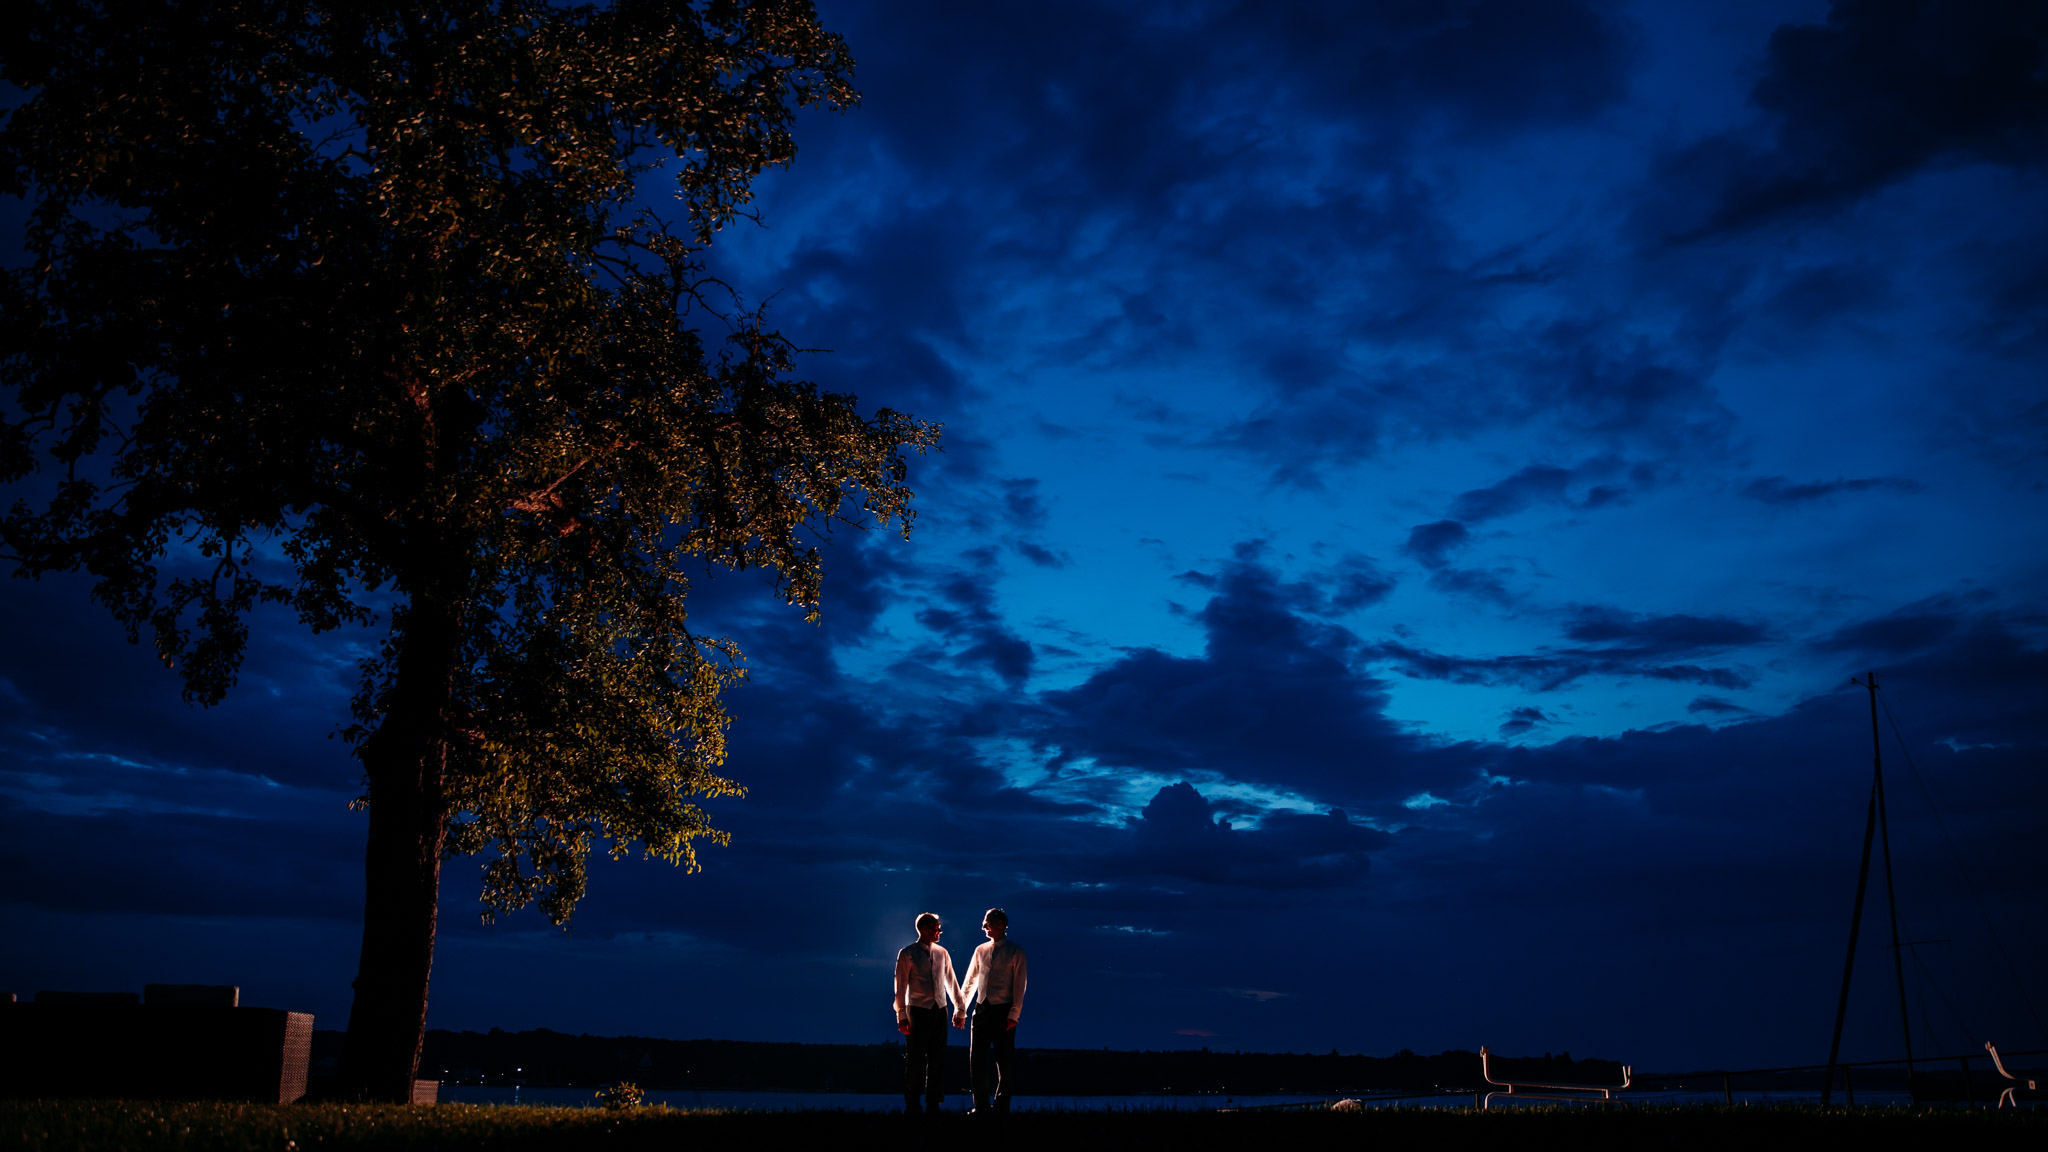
(1518, 1089)
(2007, 1096)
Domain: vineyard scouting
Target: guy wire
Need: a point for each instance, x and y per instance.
(1956, 858)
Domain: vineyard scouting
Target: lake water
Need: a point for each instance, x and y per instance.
(852, 1101)
(882, 1102)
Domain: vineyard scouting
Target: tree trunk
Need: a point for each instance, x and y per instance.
(404, 761)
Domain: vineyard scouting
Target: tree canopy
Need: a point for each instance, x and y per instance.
(359, 308)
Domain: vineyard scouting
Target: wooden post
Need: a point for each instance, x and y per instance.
(1727, 1090)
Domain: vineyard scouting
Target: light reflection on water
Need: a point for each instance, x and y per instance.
(885, 1102)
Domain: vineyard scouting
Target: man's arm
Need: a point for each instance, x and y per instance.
(951, 986)
(901, 985)
(974, 975)
(1017, 982)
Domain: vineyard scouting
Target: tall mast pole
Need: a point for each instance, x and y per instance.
(1873, 822)
(1849, 964)
(1891, 895)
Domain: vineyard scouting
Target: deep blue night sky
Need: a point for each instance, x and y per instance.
(1418, 477)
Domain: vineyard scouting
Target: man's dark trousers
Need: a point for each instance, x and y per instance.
(924, 1059)
(991, 1048)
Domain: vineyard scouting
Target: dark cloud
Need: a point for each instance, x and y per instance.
(1695, 674)
(865, 573)
(973, 620)
(1546, 670)
(1121, 111)
(1535, 484)
(1027, 146)
(1623, 388)
(1909, 630)
(1488, 584)
(1812, 297)
(878, 325)
(1493, 64)
(1336, 424)
(1180, 835)
(292, 855)
(2013, 280)
(1715, 706)
(1022, 503)
(1602, 495)
(1778, 490)
(1542, 672)
(1540, 484)
(1523, 721)
(1272, 699)
(1616, 391)
(1039, 555)
(1884, 88)
(1640, 636)
(1353, 583)
(73, 692)
(1655, 844)
(1431, 544)
(1359, 583)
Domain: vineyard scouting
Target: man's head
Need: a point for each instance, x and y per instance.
(995, 923)
(928, 928)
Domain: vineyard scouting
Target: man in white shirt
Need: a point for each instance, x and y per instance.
(997, 976)
(924, 985)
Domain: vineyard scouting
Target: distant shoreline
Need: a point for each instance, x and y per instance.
(545, 1058)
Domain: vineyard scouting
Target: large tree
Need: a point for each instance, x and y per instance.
(355, 307)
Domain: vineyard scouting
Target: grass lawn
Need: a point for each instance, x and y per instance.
(35, 1126)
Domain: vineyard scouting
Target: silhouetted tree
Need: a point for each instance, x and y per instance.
(352, 299)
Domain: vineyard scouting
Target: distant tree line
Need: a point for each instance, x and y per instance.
(543, 1058)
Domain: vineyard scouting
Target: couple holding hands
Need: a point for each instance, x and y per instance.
(925, 985)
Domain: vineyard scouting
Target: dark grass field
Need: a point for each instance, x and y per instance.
(34, 1126)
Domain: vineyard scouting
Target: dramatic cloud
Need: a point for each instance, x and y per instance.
(1272, 700)
(1178, 836)
(1882, 89)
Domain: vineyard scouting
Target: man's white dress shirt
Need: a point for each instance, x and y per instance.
(997, 972)
(924, 979)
